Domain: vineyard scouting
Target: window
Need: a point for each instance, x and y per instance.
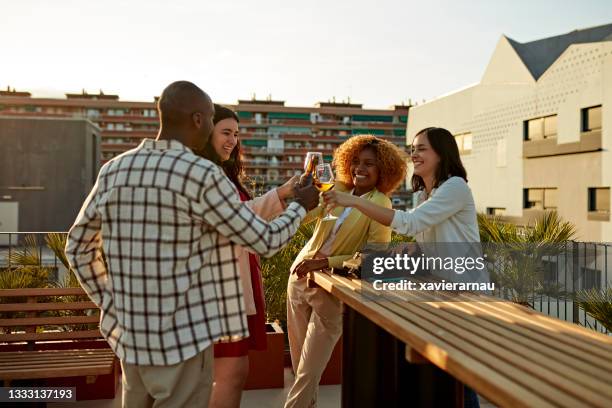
(599, 199)
(467, 142)
(272, 175)
(533, 129)
(591, 118)
(540, 128)
(496, 211)
(550, 198)
(464, 142)
(550, 126)
(540, 198)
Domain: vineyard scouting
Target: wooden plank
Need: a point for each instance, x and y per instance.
(583, 340)
(33, 356)
(494, 356)
(47, 321)
(84, 334)
(557, 341)
(414, 357)
(542, 320)
(356, 292)
(57, 372)
(57, 359)
(515, 339)
(10, 358)
(43, 307)
(70, 352)
(583, 360)
(553, 324)
(44, 360)
(530, 364)
(42, 292)
(33, 365)
(572, 335)
(494, 386)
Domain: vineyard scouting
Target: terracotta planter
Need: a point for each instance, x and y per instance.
(333, 372)
(266, 368)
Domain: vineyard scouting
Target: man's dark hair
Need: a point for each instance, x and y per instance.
(178, 101)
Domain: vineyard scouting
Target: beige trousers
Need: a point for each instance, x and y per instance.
(186, 384)
(314, 322)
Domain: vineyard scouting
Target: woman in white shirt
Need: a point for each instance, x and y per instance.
(444, 211)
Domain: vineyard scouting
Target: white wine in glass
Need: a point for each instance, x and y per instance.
(324, 181)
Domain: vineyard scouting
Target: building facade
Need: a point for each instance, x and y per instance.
(47, 168)
(535, 133)
(275, 137)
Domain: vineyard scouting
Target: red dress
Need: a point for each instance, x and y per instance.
(257, 323)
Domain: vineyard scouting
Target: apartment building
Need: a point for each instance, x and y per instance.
(275, 137)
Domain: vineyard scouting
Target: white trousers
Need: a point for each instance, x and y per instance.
(314, 322)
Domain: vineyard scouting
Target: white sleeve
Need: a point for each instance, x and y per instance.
(453, 195)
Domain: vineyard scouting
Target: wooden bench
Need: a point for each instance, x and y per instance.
(43, 336)
(511, 355)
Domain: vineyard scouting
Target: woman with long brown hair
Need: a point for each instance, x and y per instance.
(231, 359)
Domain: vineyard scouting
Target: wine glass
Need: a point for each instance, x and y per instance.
(324, 181)
(313, 159)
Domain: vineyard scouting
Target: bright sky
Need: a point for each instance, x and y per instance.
(378, 52)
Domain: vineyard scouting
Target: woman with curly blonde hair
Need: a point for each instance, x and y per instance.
(367, 167)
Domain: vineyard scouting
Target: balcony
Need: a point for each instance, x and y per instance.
(589, 142)
(140, 134)
(118, 147)
(263, 150)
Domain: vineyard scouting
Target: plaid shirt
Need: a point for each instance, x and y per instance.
(168, 287)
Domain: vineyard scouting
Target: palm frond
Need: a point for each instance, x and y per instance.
(29, 255)
(516, 254)
(597, 304)
(57, 243)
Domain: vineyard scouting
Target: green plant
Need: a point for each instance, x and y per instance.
(516, 255)
(57, 243)
(399, 238)
(275, 274)
(597, 304)
(25, 268)
(26, 271)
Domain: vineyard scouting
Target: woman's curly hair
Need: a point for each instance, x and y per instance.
(390, 159)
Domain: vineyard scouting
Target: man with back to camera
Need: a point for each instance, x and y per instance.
(166, 288)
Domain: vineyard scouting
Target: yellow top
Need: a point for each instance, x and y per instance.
(356, 230)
